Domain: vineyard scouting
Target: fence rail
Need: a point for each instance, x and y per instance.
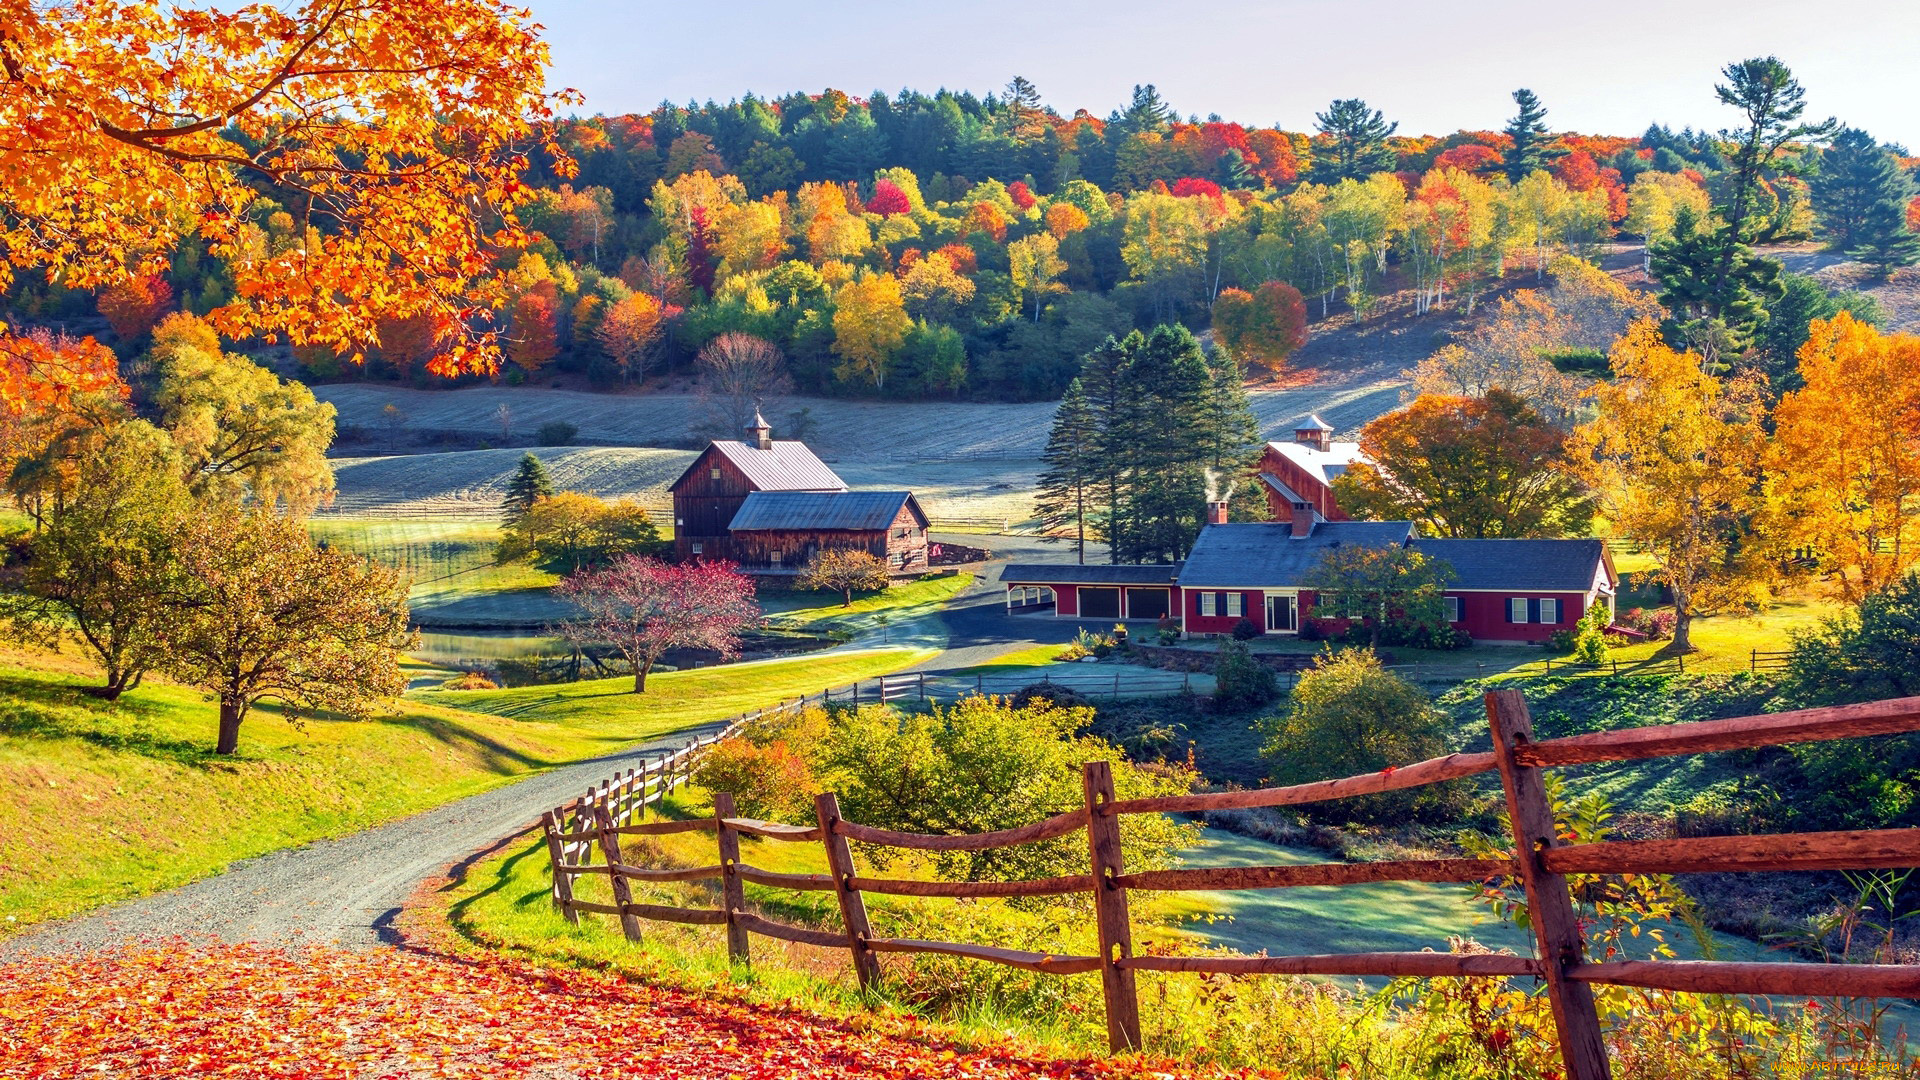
(946, 689)
(1541, 862)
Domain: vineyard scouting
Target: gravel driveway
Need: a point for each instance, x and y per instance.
(344, 891)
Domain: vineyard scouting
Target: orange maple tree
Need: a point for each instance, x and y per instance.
(394, 132)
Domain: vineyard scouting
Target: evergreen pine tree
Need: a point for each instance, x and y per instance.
(1718, 316)
(1861, 195)
(1068, 488)
(1106, 381)
(1232, 173)
(529, 483)
(1228, 438)
(1163, 492)
(1147, 112)
(1528, 130)
(1356, 140)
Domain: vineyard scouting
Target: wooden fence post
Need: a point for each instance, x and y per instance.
(1549, 905)
(1110, 909)
(853, 907)
(622, 892)
(733, 897)
(562, 882)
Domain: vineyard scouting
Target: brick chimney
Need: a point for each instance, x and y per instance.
(1216, 513)
(1302, 519)
(760, 433)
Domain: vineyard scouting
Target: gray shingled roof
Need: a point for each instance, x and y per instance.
(1226, 556)
(1519, 565)
(788, 466)
(1094, 574)
(852, 511)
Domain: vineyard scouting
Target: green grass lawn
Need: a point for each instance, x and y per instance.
(106, 801)
(814, 610)
(450, 561)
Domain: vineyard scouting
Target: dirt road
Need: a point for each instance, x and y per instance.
(344, 891)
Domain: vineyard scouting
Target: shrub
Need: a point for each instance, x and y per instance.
(1561, 641)
(768, 782)
(1311, 630)
(1245, 630)
(1060, 697)
(1590, 635)
(1168, 629)
(1349, 715)
(1657, 625)
(472, 680)
(1240, 681)
(556, 432)
(984, 764)
(1089, 643)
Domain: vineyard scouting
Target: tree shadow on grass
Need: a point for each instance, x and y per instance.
(37, 709)
(495, 756)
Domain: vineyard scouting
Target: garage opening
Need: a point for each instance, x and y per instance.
(1099, 603)
(1147, 603)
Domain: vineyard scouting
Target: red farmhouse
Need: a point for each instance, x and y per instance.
(1298, 476)
(1503, 591)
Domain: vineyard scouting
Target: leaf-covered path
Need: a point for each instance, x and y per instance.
(327, 1012)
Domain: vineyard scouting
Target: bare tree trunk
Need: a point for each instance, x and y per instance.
(640, 671)
(230, 716)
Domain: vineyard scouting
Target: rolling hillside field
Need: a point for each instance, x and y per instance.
(966, 461)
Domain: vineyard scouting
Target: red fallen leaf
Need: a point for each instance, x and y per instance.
(172, 1011)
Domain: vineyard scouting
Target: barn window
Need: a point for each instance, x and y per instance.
(1451, 605)
(1236, 605)
(1550, 611)
(1206, 603)
(698, 547)
(713, 473)
(1517, 609)
(775, 557)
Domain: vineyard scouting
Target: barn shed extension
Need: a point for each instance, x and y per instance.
(777, 532)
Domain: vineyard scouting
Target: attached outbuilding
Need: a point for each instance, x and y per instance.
(776, 533)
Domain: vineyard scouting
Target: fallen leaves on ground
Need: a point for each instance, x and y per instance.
(326, 1012)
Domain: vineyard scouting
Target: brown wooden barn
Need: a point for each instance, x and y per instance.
(777, 532)
(708, 495)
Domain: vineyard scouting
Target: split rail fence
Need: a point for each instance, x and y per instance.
(1542, 864)
(946, 689)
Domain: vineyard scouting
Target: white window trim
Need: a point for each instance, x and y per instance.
(1555, 601)
(1520, 616)
(1452, 608)
(1206, 604)
(1236, 605)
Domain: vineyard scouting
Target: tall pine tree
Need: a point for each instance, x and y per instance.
(1228, 438)
(1861, 195)
(1069, 488)
(1528, 130)
(529, 483)
(1163, 491)
(1354, 141)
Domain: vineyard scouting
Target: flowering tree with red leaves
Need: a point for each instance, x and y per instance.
(641, 607)
(134, 306)
(888, 199)
(1021, 195)
(1264, 326)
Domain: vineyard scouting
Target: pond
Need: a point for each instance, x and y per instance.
(465, 650)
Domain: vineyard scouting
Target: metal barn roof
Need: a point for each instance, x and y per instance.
(784, 466)
(842, 511)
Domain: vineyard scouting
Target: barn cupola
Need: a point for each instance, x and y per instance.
(1314, 432)
(760, 433)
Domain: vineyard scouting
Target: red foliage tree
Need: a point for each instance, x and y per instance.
(700, 260)
(1470, 157)
(134, 307)
(888, 199)
(1273, 159)
(535, 337)
(1264, 326)
(963, 258)
(1577, 171)
(987, 218)
(641, 607)
(1188, 186)
(1913, 214)
(1021, 195)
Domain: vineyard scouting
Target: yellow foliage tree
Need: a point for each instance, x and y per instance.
(1034, 264)
(1674, 462)
(1846, 455)
(870, 323)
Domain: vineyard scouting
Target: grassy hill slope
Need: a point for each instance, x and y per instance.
(107, 801)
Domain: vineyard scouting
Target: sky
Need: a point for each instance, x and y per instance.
(1601, 66)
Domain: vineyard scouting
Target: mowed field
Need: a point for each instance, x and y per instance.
(968, 462)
